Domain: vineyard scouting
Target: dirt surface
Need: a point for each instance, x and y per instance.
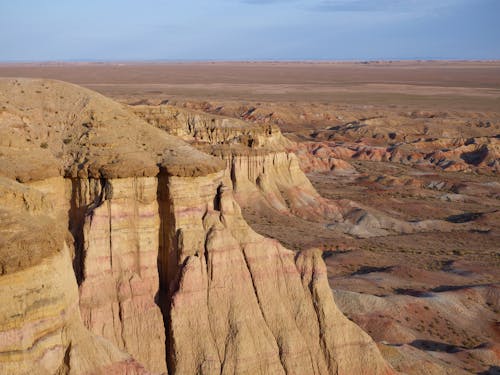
(459, 85)
(53, 128)
(431, 299)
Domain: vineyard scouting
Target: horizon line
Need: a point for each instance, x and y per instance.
(201, 61)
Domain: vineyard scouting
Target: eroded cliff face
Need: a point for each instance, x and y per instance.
(275, 180)
(41, 330)
(118, 258)
(140, 267)
(265, 172)
(211, 129)
(247, 304)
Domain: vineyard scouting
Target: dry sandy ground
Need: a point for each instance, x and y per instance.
(460, 85)
(429, 296)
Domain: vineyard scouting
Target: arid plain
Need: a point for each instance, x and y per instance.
(407, 154)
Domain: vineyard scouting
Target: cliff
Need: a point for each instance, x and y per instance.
(265, 172)
(124, 251)
(253, 306)
(41, 330)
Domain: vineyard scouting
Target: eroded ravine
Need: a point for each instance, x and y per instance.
(167, 273)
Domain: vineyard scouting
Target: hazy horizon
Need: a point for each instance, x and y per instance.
(236, 61)
(249, 30)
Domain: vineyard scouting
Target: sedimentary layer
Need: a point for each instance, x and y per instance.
(265, 171)
(131, 255)
(253, 307)
(41, 330)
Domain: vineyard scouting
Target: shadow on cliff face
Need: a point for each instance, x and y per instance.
(166, 260)
(85, 197)
(493, 370)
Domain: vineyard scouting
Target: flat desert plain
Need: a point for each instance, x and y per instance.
(432, 84)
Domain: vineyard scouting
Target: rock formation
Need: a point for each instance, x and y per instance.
(257, 309)
(41, 330)
(265, 171)
(124, 251)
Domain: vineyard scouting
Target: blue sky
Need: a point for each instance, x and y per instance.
(43, 30)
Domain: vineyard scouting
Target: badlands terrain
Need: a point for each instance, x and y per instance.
(250, 217)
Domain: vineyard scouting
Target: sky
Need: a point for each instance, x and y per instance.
(125, 30)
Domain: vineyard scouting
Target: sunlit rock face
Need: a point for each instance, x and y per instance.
(248, 304)
(41, 330)
(126, 251)
(118, 263)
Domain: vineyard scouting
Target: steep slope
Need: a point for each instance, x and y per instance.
(265, 172)
(262, 171)
(92, 140)
(40, 326)
(254, 309)
(167, 270)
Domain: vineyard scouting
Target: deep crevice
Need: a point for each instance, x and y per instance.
(82, 205)
(168, 243)
(76, 221)
(217, 198)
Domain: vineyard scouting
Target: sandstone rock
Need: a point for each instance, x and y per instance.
(40, 326)
(51, 128)
(166, 272)
(240, 299)
(449, 155)
(120, 251)
(265, 172)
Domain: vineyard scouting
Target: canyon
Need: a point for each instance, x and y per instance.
(124, 251)
(222, 218)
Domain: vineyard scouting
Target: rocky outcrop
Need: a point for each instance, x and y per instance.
(165, 271)
(276, 180)
(40, 326)
(449, 140)
(51, 128)
(211, 129)
(246, 304)
(315, 157)
(118, 256)
(265, 171)
(466, 155)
